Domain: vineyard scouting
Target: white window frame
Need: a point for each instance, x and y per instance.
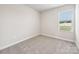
(72, 21)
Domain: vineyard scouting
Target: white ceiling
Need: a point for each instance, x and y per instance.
(42, 7)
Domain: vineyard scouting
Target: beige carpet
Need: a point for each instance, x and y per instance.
(42, 45)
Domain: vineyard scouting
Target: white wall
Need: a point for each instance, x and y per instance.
(77, 24)
(17, 22)
(49, 23)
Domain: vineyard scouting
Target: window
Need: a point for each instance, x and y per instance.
(65, 20)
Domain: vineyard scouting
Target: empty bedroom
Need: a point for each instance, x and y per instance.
(39, 29)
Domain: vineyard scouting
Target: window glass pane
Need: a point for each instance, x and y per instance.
(65, 20)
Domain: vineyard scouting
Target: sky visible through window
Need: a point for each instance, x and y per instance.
(65, 16)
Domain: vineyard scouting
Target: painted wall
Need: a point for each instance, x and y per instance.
(50, 22)
(77, 24)
(17, 22)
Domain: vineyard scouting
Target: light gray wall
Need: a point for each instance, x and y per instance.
(16, 22)
(77, 24)
(50, 22)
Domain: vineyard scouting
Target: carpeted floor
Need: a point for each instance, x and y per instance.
(42, 45)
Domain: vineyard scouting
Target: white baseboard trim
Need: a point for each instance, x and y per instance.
(57, 37)
(24, 38)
